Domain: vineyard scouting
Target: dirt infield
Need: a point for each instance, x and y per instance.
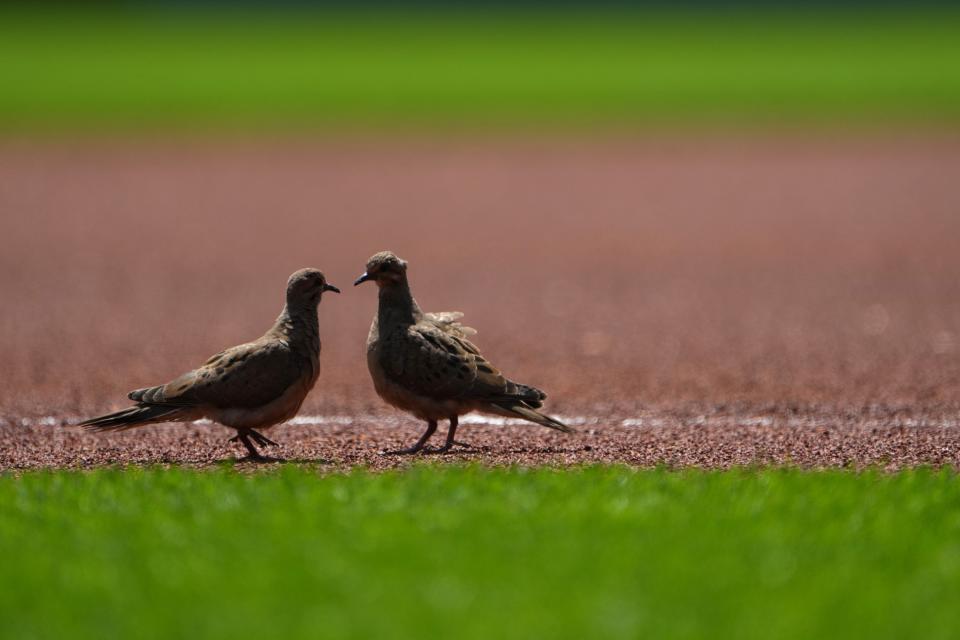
(708, 301)
(886, 440)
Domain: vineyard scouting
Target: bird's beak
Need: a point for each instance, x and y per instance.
(330, 287)
(363, 278)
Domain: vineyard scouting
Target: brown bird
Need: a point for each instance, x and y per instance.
(250, 387)
(423, 363)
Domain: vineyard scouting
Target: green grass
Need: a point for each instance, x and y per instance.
(114, 71)
(477, 553)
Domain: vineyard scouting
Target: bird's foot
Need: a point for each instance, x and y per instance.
(253, 455)
(258, 437)
(417, 446)
(262, 440)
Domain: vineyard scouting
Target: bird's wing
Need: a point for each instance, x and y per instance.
(448, 321)
(246, 376)
(442, 365)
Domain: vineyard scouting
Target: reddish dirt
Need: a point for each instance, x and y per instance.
(697, 301)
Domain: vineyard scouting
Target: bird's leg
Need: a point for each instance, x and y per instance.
(454, 421)
(244, 437)
(262, 440)
(431, 427)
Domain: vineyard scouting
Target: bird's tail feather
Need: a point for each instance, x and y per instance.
(530, 396)
(132, 417)
(520, 410)
(148, 395)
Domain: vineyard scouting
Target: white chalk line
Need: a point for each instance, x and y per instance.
(580, 421)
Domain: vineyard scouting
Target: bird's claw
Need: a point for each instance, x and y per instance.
(262, 440)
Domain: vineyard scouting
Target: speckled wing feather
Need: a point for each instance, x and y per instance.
(246, 376)
(442, 365)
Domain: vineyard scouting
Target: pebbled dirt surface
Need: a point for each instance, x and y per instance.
(709, 301)
(889, 440)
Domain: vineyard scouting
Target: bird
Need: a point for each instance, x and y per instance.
(249, 387)
(424, 364)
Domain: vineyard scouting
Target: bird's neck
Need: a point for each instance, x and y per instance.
(397, 305)
(299, 326)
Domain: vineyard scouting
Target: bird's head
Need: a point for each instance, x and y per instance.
(306, 286)
(384, 268)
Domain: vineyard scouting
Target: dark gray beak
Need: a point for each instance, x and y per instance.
(330, 287)
(363, 278)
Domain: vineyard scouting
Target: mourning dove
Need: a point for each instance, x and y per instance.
(423, 363)
(248, 387)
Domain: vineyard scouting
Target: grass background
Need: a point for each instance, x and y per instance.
(480, 553)
(104, 70)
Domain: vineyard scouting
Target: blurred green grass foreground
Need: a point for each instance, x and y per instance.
(293, 69)
(439, 552)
